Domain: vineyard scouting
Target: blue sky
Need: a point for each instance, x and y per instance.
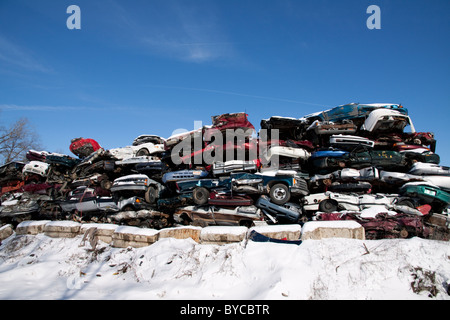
(151, 67)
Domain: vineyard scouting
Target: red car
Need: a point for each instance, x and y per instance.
(226, 121)
(82, 147)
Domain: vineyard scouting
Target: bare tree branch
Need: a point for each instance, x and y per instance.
(16, 140)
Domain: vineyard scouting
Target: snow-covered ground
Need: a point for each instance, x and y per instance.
(40, 267)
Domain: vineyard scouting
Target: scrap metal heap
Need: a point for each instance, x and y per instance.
(355, 161)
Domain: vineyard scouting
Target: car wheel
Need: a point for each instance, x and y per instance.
(328, 206)
(151, 195)
(200, 195)
(279, 193)
(142, 152)
(106, 184)
(407, 203)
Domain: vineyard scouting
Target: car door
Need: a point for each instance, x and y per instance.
(86, 201)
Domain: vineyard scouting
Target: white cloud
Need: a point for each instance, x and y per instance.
(178, 30)
(15, 107)
(19, 57)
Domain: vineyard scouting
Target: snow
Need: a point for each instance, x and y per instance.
(345, 224)
(41, 267)
(224, 230)
(136, 231)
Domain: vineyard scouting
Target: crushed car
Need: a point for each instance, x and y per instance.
(85, 200)
(83, 147)
(138, 184)
(287, 213)
(141, 146)
(279, 185)
(353, 111)
(427, 193)
(216, 216)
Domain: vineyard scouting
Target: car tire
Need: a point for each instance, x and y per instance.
(142, 152)
(328, 205)
(106, 184)
(279, 193)
(406, 202)
(200, 195)
(151, 194)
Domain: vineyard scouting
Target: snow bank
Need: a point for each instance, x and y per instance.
(39, 267)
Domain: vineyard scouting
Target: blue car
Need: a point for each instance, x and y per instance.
(201, 188)
(352, 111)
(279, 187)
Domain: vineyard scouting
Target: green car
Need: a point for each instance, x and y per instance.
(427, 193)
(327, 161)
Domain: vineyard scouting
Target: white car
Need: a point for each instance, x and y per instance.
(381, 120)
(330, 201)
(138, 184)
(290, 152)
(152, 146)
(341, 140)
(36, 167)
(421, 168)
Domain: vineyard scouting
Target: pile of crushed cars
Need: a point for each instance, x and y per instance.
(352, 162)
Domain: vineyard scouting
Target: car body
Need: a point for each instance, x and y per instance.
(286, 128)
(138, 184)
(384, 225)
(228, 121)
(378, 158)
(352, 111)
(231, 121)
(287, 213)
(420, 138)
(428, 193)
(214, 152)
(83, 147)
(149, 165)
(221, 168)
(359, 159)
(174, 139)
(184, 175)
(285, 151)
(346, 142)
(20, 206)
(420, 168)
(11, 170)
(87, 200)
(95, 179)
(332, 201)
(392, 140)
(132, 182)
(420, 154)
(146, 138)
(11, 185)
(140, 149)
(279, 185)
(36, 167)
(215, 216)
(387, 120)
(62, 160)
(99, 161)
(229, 199)
(34, 155)
(331, 128)
(327, 160)
(201, 188)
